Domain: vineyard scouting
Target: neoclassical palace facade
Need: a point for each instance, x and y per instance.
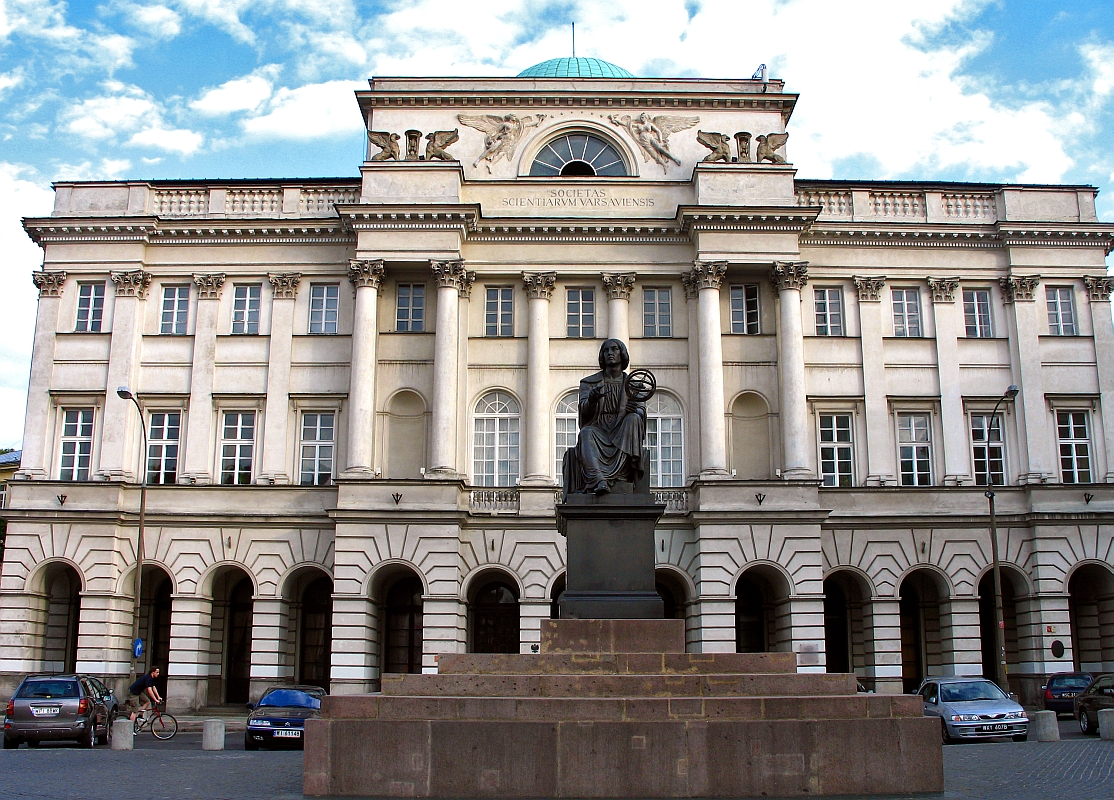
(356, 394)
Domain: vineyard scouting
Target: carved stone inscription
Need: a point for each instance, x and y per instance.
(578, 198)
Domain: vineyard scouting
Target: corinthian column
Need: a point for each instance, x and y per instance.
(1098, 292)
(706, 277)
(198, 461)
(450, 276)
(789, 278)
(539, 288)
(618, 286)
(366, 275)
(276, 457)
(33, 462)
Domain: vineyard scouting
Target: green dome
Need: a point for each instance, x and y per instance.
(575, 68)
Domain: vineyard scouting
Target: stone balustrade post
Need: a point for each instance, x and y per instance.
(618, 286)
(36, 423)
(707, 277)
(539, 460)
(276, 457)
(366, 276)
(198, 461)
(450, 276)
(789, 279)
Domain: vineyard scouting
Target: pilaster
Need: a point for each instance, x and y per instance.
(36, 423)
(357, 651)
(276, 454)
(366, 276)
(187, 685)
(960, 636)
(1098, 291)
(198, 462)
(269, 623)
(948, 317)
(880, 469)
(1025, 325)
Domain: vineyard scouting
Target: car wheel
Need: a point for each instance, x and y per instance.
(1085, 723)
(32, 742)
(10, 744)
(249, 744)
(106, 737)
(945, 737)
(89, 739)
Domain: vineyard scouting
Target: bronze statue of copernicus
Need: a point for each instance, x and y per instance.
(612, 414)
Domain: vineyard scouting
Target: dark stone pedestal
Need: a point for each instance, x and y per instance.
(610, 556)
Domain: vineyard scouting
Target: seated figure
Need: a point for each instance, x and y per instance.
(612, 429)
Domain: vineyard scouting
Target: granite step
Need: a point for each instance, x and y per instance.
(616, 663)
(718, 685)
(620, 709)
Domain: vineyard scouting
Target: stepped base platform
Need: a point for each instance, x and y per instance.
(616, 708)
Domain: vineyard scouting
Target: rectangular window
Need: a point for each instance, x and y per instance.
(499, 312)
(324, 300)
(581, 313)
(836, 455)
(175, 309)
(663, 439)
(245, 308)
(495, 451)
(565, 437)
(915, 449)
(987, 450)
(162, 447)
(1075, 446)
(907, 312)
(90, 307)
(77, 443)
(317, 448)
(1061, 313)
(829, 312)
(237, 447)
(657, 313)
(744, 308)
(410, 308)
(976, 313)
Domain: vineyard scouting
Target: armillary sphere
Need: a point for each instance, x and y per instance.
(641, 385)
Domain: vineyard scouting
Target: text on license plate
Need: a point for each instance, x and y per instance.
(45, 711)
(1069, 694)
(1001, 726)
(288, 734)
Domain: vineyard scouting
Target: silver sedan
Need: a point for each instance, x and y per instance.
(973, 708)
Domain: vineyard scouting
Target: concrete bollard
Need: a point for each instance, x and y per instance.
(123, 734)
(1106, 724)
(212, 735)
(1043, 726)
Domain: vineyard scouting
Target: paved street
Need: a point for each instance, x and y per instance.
(1077, 767)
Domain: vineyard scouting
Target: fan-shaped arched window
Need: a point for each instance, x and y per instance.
(567, 428)
(495, 443)
(665, 441)
(578, 155)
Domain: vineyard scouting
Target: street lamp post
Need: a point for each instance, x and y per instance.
(999, 615)
(126, 394)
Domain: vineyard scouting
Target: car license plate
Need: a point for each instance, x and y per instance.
(288, 734)
(1001, 726)
(1069, 694)
(45, 711)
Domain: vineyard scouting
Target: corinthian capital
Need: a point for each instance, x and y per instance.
(539, 284)
(943, 289)
(707, 274)
(618, 285)
(209, 286)
(789, 275)
(450, 274)
(869, 289)
(365, 272)
(49, 283)
(131, 283)
(1019, 289)
(286, 284)
(1098, 289)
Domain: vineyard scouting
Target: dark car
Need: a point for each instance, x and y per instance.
(1096, 697)
(1061, 689)
(279, 718)
(48, 708)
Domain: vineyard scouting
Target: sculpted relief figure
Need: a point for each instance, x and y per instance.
(386, 142)
(436, 143)
(652, 134)
(612, 412)
(501, 134)
(718, 143)
(768, 144)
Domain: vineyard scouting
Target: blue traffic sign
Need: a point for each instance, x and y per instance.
(137, 647)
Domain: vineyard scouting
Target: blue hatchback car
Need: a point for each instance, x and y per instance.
(973, 708)
(279, 718)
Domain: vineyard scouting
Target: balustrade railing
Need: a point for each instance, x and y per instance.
(969, 207)
(676, 500)
(493, 501)
(903, 205)
(320, 200)
(833, 203)
(253, 201)
(181, 202)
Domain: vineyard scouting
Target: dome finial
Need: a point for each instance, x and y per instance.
(574, 40)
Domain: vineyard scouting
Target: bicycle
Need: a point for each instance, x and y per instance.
(161, 725)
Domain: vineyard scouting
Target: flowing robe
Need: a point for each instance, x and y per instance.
(609, 447)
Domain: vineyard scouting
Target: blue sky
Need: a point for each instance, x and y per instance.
(938, 89)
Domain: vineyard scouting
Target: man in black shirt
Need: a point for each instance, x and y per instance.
(143, 693)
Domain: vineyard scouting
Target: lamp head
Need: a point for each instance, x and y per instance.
(124, 393)
(1012, 391)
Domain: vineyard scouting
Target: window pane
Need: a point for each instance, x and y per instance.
(410, 308)
(744, 309)
(77, 444)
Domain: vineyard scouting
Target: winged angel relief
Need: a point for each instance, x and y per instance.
(651, 134)
(501, 134)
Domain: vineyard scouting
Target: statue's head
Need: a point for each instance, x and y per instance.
(609, 349)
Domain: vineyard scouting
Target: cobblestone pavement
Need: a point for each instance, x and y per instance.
(1080, 768)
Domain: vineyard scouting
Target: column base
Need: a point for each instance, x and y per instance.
(537, 480)
(364, 473)
(798, 474)
(715, 475)
(276, 479)
(1033, 478)
(444, 474)
(30, 475)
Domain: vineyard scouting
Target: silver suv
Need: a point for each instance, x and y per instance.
(57, 708)
(973, 708)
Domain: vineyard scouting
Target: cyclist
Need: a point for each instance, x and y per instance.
(143, 693)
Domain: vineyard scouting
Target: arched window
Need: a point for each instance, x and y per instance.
(578, 155)
(664, 437)
(495, 443)
(568, 426)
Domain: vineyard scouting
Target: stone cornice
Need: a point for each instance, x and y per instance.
(778, 219)
(49, 282)
(462, 218)
(131, 283)
(257, 232)
(66, 230)
(1071, 234)
(539, 285)
(285, 284)
(590, 231)
(898, 235)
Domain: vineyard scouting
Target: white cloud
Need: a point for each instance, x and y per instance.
(109, 169)
(1100, 60)
(74, 48)
(105, 117)
(240, 94)
(19, 197)
(225, 14)
(157, 20)
(175, 141)
(309, 112)
(9, 80)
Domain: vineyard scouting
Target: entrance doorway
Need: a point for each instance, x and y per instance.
(495, 619)
(402, 626)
